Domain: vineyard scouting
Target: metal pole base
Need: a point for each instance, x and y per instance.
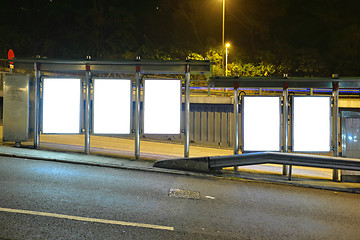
(285, 170)
(290, 172)
(336, 175)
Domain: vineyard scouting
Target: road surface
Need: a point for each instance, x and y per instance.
(50, 200)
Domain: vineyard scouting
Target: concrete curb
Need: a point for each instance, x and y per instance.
(121, 164)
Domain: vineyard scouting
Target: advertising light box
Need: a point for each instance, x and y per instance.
(162, 106)
(61, 105)
(311, 124)
(261, 123)
(112, 106)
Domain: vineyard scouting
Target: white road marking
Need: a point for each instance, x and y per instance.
(85, 219)
(210, 197)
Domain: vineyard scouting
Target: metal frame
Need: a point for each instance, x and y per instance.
(136, 67)
(187, 111)
(335, 83)
(144, 104)
(243, 116)
(292, 124)
(285, 129)
(97, 66)
(37, 106)
(335, 115)
(236, 120)
(93, 112)
(278, 82)
(87, 110)
(137, 113)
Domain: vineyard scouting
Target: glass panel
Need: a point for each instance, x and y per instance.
(61, 105)
(162, 100)
(261, 123)
(311, 124)
(112, 106)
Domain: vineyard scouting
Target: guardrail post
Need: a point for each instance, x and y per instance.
(285, 125)
(290, 172)
(137, 112)
(187, 111)
(37, 106)
(335, 114)
(87, 110)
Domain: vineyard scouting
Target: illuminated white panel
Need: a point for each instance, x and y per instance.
(311, 124)
(162, 106)
(261, 123)
(112, 106)
(61, 105)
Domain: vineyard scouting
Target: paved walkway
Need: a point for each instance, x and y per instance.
(150, 150)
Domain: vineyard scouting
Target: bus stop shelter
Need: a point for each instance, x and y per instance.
(88, 69)
(335, 83)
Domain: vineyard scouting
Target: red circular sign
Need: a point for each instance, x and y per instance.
(11, 56)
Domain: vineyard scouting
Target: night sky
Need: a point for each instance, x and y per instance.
(319, 36)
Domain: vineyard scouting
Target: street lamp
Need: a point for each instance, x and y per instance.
(226, 57)
(223, 35)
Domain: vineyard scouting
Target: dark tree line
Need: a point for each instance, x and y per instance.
(299, 37)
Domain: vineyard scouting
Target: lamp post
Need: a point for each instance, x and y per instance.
(223, 36)
(226, 57)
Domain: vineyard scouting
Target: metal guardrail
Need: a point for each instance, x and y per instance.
(285, 159)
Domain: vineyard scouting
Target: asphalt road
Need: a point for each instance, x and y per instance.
(50, 200)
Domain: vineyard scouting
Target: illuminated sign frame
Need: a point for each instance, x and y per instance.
(156, 118)
(309, 127)
(110, 116)
(62, 115)
(247, 141)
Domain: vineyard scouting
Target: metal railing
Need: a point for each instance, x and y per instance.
(290, 159)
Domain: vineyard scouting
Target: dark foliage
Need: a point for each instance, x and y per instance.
(302, 37)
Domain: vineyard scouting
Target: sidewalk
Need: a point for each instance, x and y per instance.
(119, 153)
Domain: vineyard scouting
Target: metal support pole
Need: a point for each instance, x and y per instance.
(37, 106)
(137, 112)
(335, 115)
(236, 122)
(187, 112)
(285, 125)
(87, 110)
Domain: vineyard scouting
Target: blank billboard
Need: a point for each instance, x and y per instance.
(261, 123)
(311, 124)
(112, 106)
(61, 105)
(162, 106)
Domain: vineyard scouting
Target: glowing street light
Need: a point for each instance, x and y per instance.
(226, 57)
